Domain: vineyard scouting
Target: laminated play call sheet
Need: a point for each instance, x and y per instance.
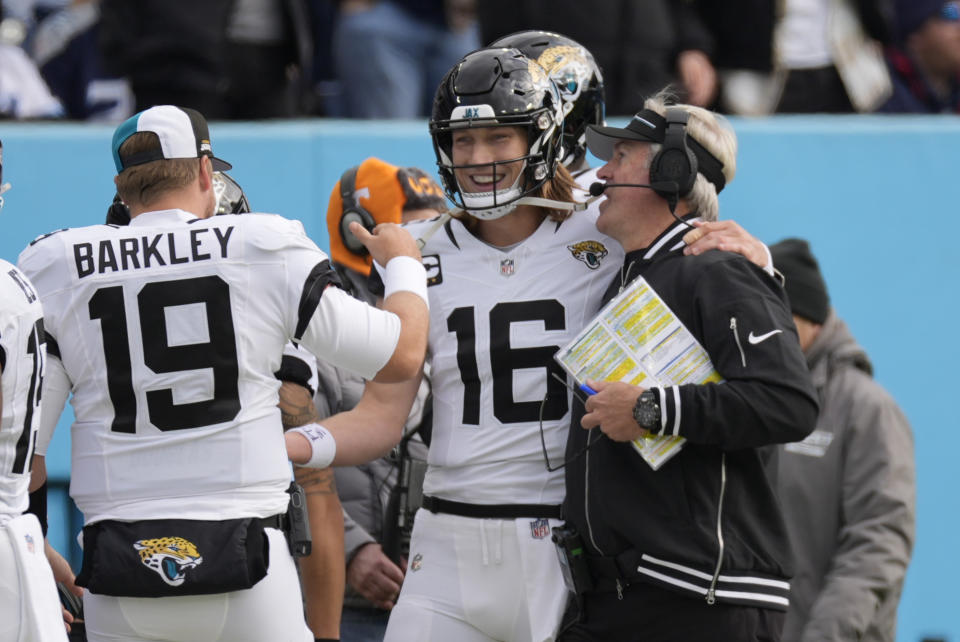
(637, 339)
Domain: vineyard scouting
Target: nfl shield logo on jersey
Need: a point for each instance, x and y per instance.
(540, 528)
(506, 267)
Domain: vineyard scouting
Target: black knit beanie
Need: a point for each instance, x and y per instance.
(803, 282)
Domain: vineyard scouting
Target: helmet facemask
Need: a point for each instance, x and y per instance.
(230, 196)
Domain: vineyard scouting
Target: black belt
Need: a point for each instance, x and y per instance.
(277, 521)
(494, 511)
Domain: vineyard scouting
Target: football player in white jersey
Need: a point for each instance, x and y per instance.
(29, 606)
(509, 283)
(168, 332)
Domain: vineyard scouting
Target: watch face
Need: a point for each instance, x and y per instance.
(647, 412)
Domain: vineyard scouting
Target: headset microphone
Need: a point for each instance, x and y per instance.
(664, 188)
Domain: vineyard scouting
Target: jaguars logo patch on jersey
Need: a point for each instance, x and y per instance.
(169, 557)
(590, 252)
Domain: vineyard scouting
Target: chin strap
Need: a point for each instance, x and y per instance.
(440, 222)
(578, 206)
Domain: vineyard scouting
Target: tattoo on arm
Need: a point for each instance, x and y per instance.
(317, 481)
(296, 406)
(296, 409)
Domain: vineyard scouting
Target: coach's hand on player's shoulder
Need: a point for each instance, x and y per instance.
(374, 576)
(387, 241)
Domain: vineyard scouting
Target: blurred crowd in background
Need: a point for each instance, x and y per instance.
(103, 60)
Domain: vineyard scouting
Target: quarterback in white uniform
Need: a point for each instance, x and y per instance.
(168, 332)
(508, 285)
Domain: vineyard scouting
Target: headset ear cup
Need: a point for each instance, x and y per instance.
(676, 166)
(350, 241)
(675, 162)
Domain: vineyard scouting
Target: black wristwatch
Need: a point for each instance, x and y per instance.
(646, 412)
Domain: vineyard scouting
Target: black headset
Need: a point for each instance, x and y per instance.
(675, 162)
(353, 211)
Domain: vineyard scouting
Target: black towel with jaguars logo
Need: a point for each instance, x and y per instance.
(167, 557)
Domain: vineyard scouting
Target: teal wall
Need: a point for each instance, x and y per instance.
(873, 195)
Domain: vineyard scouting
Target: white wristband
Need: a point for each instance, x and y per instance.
(323, 447)
(405, 274)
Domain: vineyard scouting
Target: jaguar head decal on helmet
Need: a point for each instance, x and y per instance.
(578, 78)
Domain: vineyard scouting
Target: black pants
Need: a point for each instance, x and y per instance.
(651, 614)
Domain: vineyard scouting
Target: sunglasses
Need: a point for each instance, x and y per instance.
(950, 11)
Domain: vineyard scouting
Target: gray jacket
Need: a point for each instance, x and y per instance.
(848, 496)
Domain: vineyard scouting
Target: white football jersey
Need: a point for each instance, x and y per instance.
(22, 357)
(170, 331)
(496, 319)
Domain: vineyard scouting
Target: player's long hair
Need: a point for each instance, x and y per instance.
(559, 188)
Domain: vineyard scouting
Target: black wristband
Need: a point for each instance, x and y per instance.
(38, 506)
(326, 639)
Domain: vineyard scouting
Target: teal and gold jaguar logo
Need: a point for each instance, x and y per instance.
(590, 252)
(170, 557)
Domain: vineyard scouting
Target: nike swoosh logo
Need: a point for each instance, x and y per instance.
(754, 340)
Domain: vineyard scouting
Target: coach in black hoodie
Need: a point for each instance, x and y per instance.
(696, 550)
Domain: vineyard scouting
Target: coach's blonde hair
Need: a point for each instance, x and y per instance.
(144, 184)
(716, 136)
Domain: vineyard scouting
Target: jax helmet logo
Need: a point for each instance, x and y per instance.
(590, 252)
(169, 557)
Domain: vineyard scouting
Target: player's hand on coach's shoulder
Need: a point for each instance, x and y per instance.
(725, 235)
(387, 241)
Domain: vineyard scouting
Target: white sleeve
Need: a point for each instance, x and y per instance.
(56, 390)
(328, 322)
(351, 334)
